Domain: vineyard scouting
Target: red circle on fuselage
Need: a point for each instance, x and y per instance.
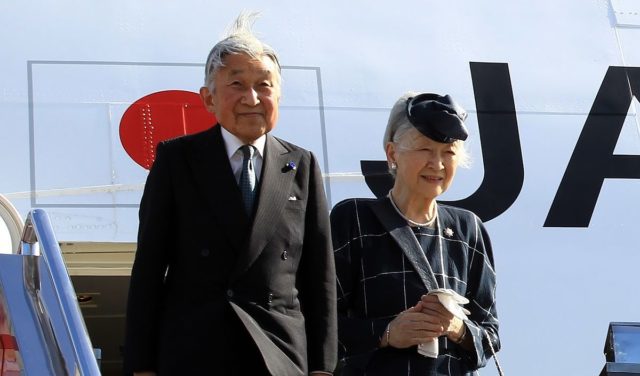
(161, 116)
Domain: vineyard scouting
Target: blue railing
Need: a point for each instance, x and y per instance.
(54, 301)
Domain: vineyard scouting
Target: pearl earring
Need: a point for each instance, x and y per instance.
(394, 165)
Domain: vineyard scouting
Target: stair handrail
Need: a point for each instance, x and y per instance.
(38, 230)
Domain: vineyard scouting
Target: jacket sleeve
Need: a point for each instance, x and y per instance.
(149, 267)
(357, 336)
(318, 286)
(482, 324)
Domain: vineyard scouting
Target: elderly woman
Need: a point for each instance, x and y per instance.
(392, 252)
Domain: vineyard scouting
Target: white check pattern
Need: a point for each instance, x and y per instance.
(376, 281)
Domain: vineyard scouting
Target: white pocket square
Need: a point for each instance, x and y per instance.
(293, 198)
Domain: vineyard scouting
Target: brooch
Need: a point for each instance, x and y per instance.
(448, 232)
(290, 166)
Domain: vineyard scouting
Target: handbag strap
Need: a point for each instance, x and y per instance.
(493, 352)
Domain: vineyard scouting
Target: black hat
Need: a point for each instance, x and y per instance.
(437, 117)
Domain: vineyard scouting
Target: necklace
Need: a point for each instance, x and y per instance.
(428, 223)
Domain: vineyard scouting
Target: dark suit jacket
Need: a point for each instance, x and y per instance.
(203, 267)
(382, 270)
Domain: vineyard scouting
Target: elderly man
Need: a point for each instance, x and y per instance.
(234, 270)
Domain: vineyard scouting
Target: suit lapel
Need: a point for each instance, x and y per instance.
(406, 240)
(210, 163)
(275, 187)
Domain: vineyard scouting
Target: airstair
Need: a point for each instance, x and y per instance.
(42, 331)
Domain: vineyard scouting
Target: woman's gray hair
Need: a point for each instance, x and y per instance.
(239, 40)
(398, 125)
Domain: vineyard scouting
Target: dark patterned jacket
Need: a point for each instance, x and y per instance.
(382, 271)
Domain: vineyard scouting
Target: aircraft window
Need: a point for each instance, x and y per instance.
(626, 340)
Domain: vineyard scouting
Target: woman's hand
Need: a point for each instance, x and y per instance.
(453, 326)
(412, 327)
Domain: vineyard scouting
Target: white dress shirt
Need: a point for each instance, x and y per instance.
(233, 144)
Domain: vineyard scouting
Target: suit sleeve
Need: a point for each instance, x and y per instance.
(149, 268)
(318, 286)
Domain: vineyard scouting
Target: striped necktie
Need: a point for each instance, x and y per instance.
(248, 179)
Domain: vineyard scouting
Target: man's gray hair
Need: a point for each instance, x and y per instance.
(398, 125)
(239, 40)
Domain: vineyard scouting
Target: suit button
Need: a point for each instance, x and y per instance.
(204, 252)
(285, 255)
(230, 293)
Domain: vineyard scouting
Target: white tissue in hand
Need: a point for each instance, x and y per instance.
(429, 349)
(452, 301)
